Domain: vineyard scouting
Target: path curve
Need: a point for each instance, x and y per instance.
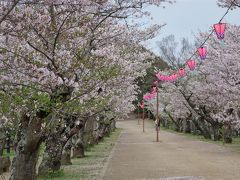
(175, 157)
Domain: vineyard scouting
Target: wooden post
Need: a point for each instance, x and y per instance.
(138, 114)
(143, 119)
(157, 118)
(223, 133)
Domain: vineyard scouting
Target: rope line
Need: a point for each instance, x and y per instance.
(207, 38)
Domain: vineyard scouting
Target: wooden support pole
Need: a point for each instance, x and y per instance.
(157, 117)
(138, 114)
(143, 120)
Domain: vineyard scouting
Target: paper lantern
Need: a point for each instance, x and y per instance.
(151, 96)
(173, 77)
(154, 89)
(191, 64)
(202, 51)
(145, 97)
(158, 75)
(181, 72)
(220, 30)
(167, 78)
(163, 78)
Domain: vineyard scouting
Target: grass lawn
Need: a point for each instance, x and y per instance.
(11, 154)
(89, 167)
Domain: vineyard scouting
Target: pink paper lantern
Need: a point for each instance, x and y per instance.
(158, 75)
(202, 51)
(141, 105)
(173, 77)
(167, 78)
(163, 78)
(150, 96)
(154, 89)
(220, 30)
(181, 72)
(191, 64)
(145, 97)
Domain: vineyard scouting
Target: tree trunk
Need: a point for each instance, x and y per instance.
(2, 140)
(66, 154)
(26, 152)
(87, 136)
(78, 150)
(100, 132)
(24, 166)
(216, 134)
(52, 154)
(206, 134)
(164, 122)
(187, 127)
(78, 147)
(2, 145)
(113, 125)
(176, 125)
(227, 135)
(5, 164)
(55, 143)
(107, 130)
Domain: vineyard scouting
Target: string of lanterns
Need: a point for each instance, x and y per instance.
(219, 30)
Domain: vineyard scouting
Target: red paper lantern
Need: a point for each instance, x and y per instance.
(220, 30)
(181, 72)
(191, 64)
(202, 51)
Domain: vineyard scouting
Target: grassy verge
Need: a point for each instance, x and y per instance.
(91, 166)
(11, 154)
(235, 145)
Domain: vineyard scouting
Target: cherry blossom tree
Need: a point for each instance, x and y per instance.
(55, 56)
(228, 3)
(220, 78)
(6, 8)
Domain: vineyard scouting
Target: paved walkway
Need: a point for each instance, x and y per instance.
(137, 157)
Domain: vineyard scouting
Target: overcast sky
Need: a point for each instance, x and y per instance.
(186, 18)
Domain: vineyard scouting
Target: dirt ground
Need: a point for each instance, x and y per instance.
(138, 157)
